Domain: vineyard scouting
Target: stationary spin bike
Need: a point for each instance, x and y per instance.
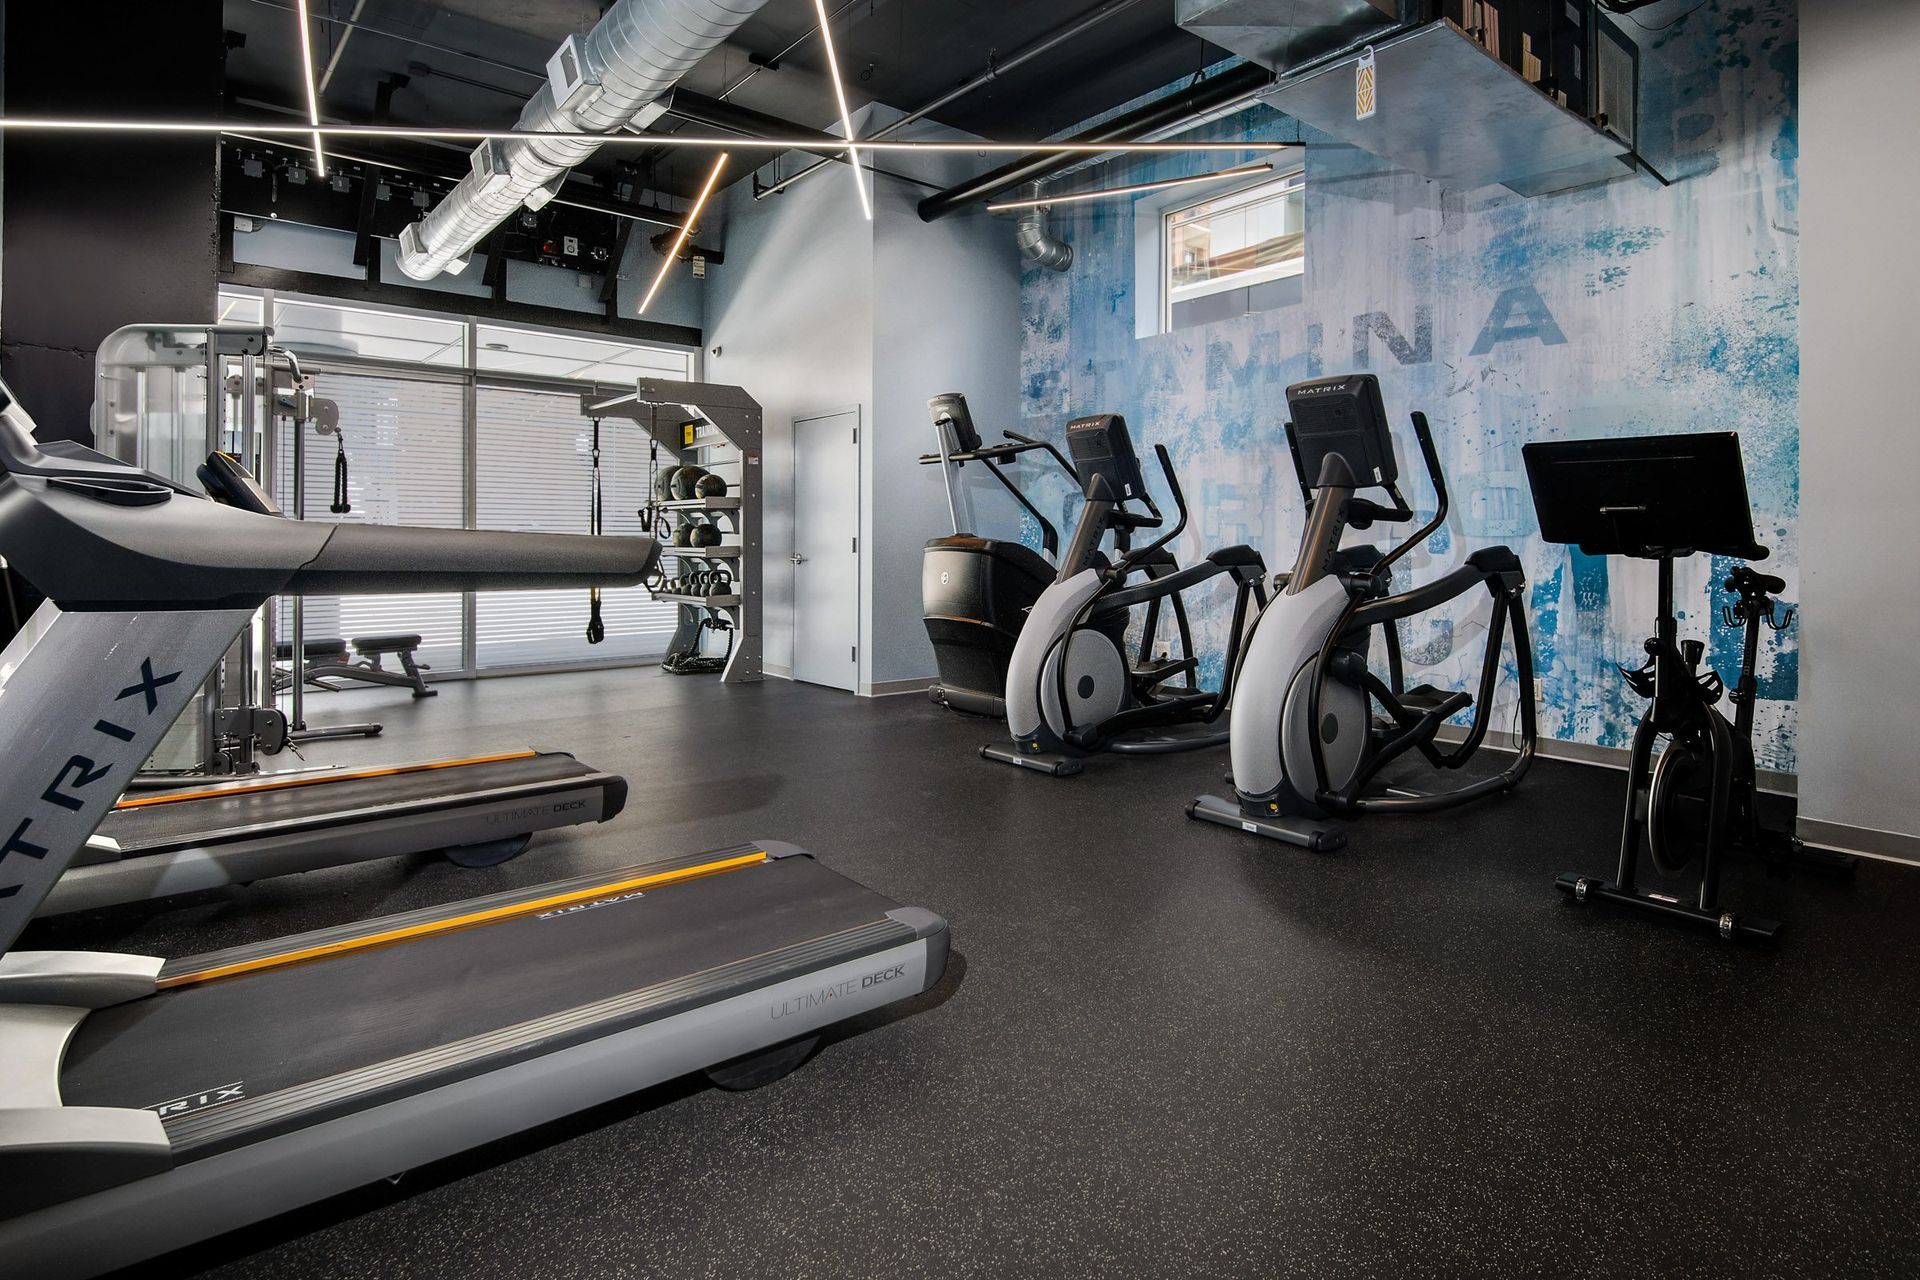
(1072, 689)
(1662, 498)
(1307, 744)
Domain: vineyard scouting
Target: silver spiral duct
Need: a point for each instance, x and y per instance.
(1037, 244)
(596, 83)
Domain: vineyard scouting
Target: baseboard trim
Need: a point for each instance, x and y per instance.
(1772, 781)
(894, 688)
(1869, 842)
(774, 669)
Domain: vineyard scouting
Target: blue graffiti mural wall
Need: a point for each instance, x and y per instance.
(1622, 309)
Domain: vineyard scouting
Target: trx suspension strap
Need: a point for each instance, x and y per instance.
(596, 629)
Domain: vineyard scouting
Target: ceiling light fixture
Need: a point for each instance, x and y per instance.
(846, 116)
(313, 95)
(22, 124)
(686, 229)
(1001, 206)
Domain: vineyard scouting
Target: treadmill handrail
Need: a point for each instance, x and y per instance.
(96, 534)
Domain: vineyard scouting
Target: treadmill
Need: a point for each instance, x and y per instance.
(478, 810)
(147, 1103)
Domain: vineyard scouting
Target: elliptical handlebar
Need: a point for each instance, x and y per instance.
(1431, 456)
(1126, 563)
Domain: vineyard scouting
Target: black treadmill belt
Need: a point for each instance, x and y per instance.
(285, 1027)
(207, 820)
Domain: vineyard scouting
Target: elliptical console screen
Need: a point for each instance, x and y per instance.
(1346, 416)
(1101, 446)
(950, 407)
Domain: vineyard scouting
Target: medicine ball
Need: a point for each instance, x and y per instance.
(706, 534)
(683, 535)
(663, 484)
(684, 481)
(710, 486)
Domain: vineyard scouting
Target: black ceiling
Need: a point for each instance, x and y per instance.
(474, 62)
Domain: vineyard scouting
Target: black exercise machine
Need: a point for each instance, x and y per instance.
(976, 592)
(1661, 498)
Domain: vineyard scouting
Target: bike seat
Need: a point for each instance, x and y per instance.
(1748, 581)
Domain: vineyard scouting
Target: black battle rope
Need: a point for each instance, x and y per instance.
(596, 629)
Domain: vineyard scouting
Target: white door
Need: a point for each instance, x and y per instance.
(826, 549)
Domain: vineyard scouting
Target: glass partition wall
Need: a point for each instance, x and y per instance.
(461, 423)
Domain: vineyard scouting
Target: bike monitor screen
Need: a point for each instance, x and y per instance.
(1644, 495)
(1343, 416)
(1101, 447)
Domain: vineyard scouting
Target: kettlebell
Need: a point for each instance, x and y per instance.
(710, 486)
(719, 582)
(684, 481)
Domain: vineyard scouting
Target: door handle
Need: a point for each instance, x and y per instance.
(797, 558)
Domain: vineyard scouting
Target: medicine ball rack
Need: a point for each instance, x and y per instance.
(715, 426)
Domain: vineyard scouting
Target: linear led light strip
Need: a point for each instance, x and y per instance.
(846, 116)
(313, 95)
(21, 124)
(1070, 197)
(686, 229)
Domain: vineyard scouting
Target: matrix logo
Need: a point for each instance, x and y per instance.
(187, 1104)
(82, 770)
(578, 907)
(808, 1001)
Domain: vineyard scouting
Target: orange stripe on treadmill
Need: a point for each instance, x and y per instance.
(494, 915)
(288, 784)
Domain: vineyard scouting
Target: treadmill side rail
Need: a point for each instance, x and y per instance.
(199, 1198)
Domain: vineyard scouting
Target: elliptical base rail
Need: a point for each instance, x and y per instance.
(1308, 833)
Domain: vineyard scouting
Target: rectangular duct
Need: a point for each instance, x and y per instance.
(1283, 34)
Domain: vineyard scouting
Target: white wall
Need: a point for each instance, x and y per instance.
(946, 318)
(790, 313)
(1859, 431)
(817, 309)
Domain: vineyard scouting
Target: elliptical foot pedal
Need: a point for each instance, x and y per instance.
(1309, 834)
(1060, 766)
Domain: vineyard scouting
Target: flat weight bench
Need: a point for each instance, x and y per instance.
(327, 660)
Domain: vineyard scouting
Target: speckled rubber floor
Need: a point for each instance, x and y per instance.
(1163, 1048)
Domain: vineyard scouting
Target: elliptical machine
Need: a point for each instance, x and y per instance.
(1071, 689)
(1661, 498)
(975, 592)
(1306, 745)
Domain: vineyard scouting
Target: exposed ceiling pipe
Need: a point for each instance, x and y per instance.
(1234, 85)
(995, 69)
(596, 83)
(1036, 244)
